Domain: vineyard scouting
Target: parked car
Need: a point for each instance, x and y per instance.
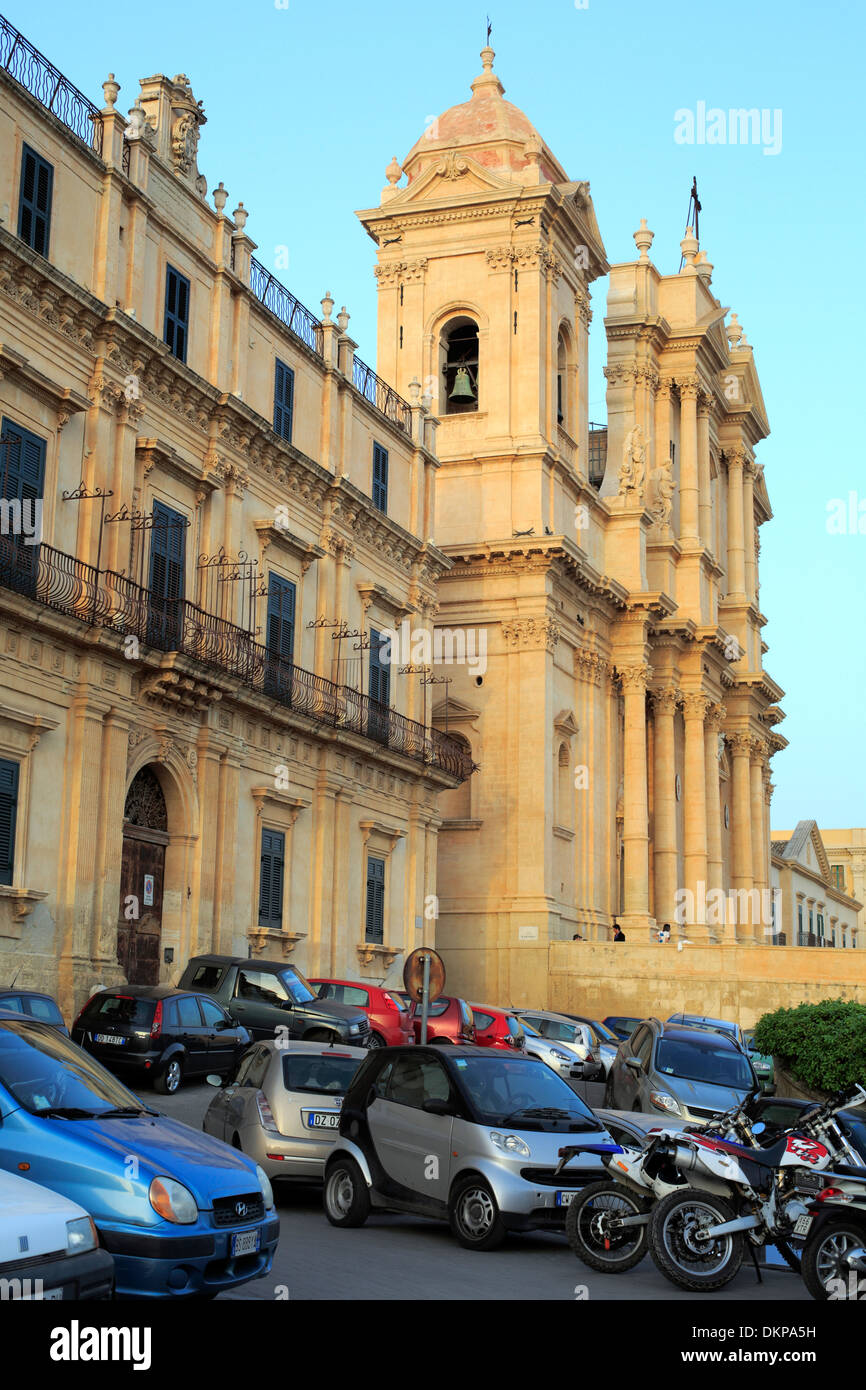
(692, 1074)
(561, 1029)
(181, 1213)
(34, 1005)
(49, 1247)
(497, 1028)
(604, 1041)
(467, 1135)
(764, 1066)
(387, 1012)
(713, 1025)
(621, 1025)
(561, 1057)
(272, 999)
(159, 1034)
(449, 1020)
(283, 1105)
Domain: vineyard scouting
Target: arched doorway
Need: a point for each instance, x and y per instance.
(142, 871)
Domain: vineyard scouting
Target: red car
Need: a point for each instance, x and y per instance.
(388, 1015)
(497, 1028)
(449, 1020)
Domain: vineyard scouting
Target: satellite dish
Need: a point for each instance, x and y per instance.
(413, 973)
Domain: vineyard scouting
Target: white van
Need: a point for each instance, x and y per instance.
(48, 1246)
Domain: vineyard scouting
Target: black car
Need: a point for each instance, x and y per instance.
(272, 999)
(160, 1033)
(34, 1005)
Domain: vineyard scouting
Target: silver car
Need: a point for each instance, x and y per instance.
(684, 1074)
(282, 1106)
(468, 1135)
(563, 1058)
(573, 1033)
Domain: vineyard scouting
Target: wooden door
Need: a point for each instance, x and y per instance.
(142, 874)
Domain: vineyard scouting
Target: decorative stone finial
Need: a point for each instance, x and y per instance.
(704, 267)
(110, 88)
(343, 319)
(414, 391)
(137, 123)
(734, 331)
(643, 239)
(327, 305)
(487, 56)
(240, 215)
(689, 246)
(394, 171)
(487, 79)
(220, 197)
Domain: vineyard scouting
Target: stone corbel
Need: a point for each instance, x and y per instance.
(295, 804)
(261, 939)
(368, 953)
(387, 832)
(271, 532)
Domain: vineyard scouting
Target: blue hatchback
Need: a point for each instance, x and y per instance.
(183, 1214)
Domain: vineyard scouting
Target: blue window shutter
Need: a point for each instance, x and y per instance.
(374, 924)
(176, 312)
(281, 617)
(284, 400)
(380, 478)
(8, 817)
(34, 202)
(271, 878)
(167, 553)
(380, 671)
(22, 462)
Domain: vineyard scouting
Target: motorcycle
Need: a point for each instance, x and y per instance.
(834, 1255)
(697, 1236)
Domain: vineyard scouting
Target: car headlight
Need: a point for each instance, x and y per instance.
(173, 1202)
(510, 1144)
(354, 1027)
(662, 1101)
(561, 1056)
(80, 1236)
(265, 1185)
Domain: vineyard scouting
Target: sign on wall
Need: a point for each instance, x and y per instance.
(148, 890)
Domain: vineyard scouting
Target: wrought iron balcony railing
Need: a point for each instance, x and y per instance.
(43, 81)
(284, 306)
(106, 599)
(382, 396)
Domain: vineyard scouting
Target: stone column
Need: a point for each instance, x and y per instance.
(635, 817)
(736, 460)
(695, 831)
(712, 727)
(689, 486)
(759, 855)
(664, 806)
(741, 747)
(704, 480)
(749, 567)
(663, 429)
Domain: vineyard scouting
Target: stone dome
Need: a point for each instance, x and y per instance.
(495, 132)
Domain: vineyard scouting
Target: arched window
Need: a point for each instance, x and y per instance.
(564, 796)
(459, 366)
(562, 381)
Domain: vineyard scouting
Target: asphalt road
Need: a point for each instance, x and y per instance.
(400, 1257)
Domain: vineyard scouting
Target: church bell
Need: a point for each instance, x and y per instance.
(462, 390)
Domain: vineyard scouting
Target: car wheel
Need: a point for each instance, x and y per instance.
(440, 1042)
(678, 1250)
(346, 1198)
(376, 1040)
(593, 1233)
(169, 1079)
(826, 1272)
(473, 1215)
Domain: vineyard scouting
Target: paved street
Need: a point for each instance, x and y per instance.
(397, 1257)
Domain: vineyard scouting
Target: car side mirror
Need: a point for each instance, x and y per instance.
(436, 1107)
(287, 1004)
(635, 1063)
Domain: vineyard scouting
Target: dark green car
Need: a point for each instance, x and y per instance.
(763, 1065)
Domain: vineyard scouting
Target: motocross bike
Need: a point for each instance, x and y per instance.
(697, 1235)
(834, 1256)
(607, 1221)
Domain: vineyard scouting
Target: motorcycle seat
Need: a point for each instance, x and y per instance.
(845, 1170)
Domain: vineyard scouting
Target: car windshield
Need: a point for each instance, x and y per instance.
(523, 1093)
(318, 1074)
(299, 990)
(528, 1028)
(46, 1073)
(725, 1029)
(707, 1062)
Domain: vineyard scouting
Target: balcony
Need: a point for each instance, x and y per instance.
(280, 302)
(382, 396)
(103, 598)
(21, 61)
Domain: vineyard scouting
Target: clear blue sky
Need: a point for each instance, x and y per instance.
(307, 104)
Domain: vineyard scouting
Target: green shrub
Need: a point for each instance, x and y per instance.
(822, 1045)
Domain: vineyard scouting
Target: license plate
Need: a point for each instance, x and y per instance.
(565, 1199)
(323, 1119)
(109, 1038)
(52, 1293)
(802, 1225)
(246, 1242)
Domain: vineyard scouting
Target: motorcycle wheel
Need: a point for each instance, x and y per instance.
(693, 1264)
(609, 1252)
(824, 1256)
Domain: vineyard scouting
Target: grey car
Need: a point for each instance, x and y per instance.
(680, 1073)
(468, 1135)
(712, 1025)
(282, 1106)
(559, 1028)
(563, 1058)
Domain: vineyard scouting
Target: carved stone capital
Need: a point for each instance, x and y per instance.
(500, 257)
(634, 678)
(620, 373)
(716, 716)
(689, 387)
(665, 701)
(531, 632)
(741, 744)
(695, 705)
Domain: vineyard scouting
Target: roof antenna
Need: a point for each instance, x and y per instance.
(693, 214)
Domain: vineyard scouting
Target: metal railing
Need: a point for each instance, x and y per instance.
(114, 601)
(43, 81)
(284, 306)
(382, 396)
